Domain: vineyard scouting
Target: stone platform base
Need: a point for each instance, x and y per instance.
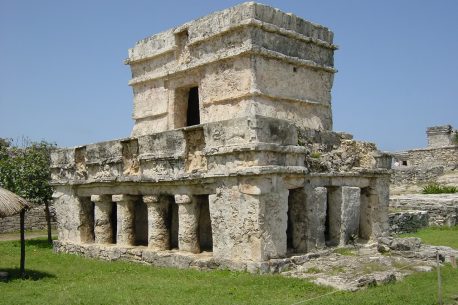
(175, 258)
(442, 209)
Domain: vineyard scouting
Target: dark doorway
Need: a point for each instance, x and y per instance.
(141, 223)
(193, 116)
(328, 237)
(296, 221)
(289, 231)
(173, 224)
(114, 222)
(205, 226)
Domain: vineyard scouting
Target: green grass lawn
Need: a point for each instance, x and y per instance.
(438, 236)
(70, 279)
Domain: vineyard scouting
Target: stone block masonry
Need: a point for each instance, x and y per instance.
(442, 209)
(35, 219)
(232, 161)
(438, 163)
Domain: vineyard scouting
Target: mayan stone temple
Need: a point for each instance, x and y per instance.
(232, 161)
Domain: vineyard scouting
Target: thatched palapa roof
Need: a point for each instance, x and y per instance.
(11, 204)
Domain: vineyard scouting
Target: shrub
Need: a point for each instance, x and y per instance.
(315, 154)
(435, 188)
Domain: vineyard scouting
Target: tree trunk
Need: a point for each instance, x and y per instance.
(22, 245)
(48, 221)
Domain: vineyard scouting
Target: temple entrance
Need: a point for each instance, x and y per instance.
(114, 222)
(141, 223)
(205, 227)
(172, 224)
(296, 221)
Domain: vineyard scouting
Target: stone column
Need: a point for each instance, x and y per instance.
(249, 219)
(125, 234)
(344, 214)
(188, 223)
(86, 220)
(350, 213)
(316, 216)
(374, 209)
(103, 207)
(158, 231)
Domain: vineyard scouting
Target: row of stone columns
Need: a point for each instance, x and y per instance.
(158, 208)
(337, 214)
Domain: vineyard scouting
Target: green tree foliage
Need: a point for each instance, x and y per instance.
(25, 170)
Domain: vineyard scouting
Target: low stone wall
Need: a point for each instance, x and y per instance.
(438, 156)
(416, 175)
(35, 219)
(424, 166)
(442, 209)
(175, 258)
(407, 221)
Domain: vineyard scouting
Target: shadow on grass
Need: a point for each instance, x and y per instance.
(39, 243)
(34, 275)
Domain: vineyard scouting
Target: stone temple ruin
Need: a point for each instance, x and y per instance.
(437, 163)
(232, 161)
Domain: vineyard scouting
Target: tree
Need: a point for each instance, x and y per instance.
(25, 170)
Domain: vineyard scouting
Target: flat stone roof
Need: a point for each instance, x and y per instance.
(245, 14)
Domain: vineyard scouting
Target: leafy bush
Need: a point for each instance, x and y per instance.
(435, 188)
(25, 170)
(315, 154)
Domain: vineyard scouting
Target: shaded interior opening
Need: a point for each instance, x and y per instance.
(296, 221)
(404, 163)
(192, 114)
(327, 227)
(205, 227)
(172, 223)
(141, 223)
(114, 222)
(365, 223)
(289, 225)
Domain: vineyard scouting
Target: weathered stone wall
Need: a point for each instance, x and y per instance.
(247, 60)
(424, 166)
(35, 219)
(440, 156)
(442, 209)
(439, 136)
(407, 221)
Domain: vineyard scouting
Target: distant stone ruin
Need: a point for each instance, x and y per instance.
(231, 162)
(416, 168)
(437, 163)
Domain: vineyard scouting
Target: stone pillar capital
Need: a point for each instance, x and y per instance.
(101, 198)
(151, 199)
(183, 199)
(123, 198)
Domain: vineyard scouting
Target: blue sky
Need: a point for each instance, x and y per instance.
(62, 77)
